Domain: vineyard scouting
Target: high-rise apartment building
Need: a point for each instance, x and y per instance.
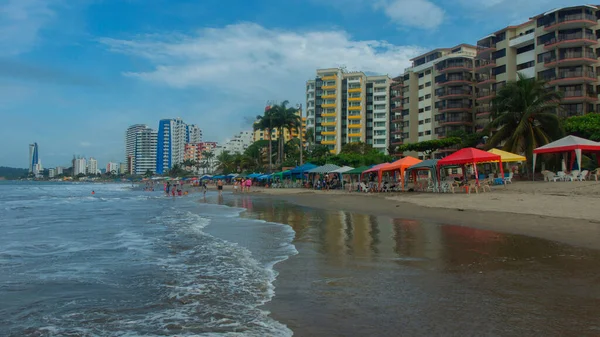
(434, 97)
(346, 107)
(92, 166)
(112, 167)
(59, 170)
(193, 134)
(171, 142)
(145, 151)
(130, 136)
(51, 173)
(33, 157)
(79, 166)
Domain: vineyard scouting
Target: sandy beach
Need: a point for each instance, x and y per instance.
(567, 212)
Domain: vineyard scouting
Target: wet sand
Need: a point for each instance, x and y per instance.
(372, 269)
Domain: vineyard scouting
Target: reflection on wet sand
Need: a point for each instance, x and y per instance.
(359, 274)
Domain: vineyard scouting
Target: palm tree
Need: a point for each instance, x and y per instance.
(266, 123)
(208, 156)
(524, 115)
(286, 118)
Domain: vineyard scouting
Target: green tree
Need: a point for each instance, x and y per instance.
(148, 173)
(208, 157)
(586, 126)
(429, 146)
(356, 148)
(285, 118)
(524, 115)
(266, 123)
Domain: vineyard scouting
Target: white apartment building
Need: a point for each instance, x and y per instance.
(92, 166)
(59, 170)
(193, 134)
(51, 173)
(112, 167)
(79, 166)
(130, 144)
(145, 151)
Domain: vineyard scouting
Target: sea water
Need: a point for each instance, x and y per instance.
(125, 262)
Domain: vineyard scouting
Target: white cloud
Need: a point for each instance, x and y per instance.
(251, 60)
(85, 144)
(20, 23)
(414, 13)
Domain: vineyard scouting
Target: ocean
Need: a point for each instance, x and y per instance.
(125, 262)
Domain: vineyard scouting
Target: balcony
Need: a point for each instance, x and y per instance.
(329, 105)
(455, 67)
(397, 119)
(354, 126)
(328, 123)
(479, 127)
(575, 96)
(354, 108)
(455, 80)
(571, 59)
(358, 134)
(455, 107)
(397, 86)
(396, 131)
(355, 89)
(485, 80)
(454, 93)
(485, 95)
(354, 117)
(485, 49)
(329, 114)
(329, 87)
(328, 142)
(577, 76)
(521, 40)
(329, 78)
(328, 133)
(571, 40)
(355, 99)
(580, 20)
(398, 108)
(484, 65)
(483, 111)
(333, 96)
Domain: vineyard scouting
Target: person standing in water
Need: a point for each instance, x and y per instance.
(220, 186)
(204, 188)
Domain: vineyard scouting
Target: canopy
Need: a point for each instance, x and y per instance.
(254, 175)
(280, 175)
(568, 144)
(303, 168)
(206, 176)
(358, 170)
(264, 177)
(218, 177)
(324, 169)
(343, 169)
(471, 155)
(429, 164)
(400, 165)
(232, 175)
(507, 156)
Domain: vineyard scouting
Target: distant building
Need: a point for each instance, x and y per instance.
(130, 136)
(33, 157)
(112, 168)
(59, 170)
(51, 173)
(145, 151)
(238, 144)
(38, 170)
(79, 166)
(170, 146)
(92, 166)
(123, 168)
(193, 134)
(194, 151)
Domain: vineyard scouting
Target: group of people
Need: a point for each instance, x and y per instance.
(174, 190)
(243, 185)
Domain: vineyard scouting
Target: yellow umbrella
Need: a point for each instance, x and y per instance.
(507, 156)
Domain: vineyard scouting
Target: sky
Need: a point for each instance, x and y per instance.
(74, 74)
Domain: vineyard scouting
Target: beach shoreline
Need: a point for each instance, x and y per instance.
(562, 212)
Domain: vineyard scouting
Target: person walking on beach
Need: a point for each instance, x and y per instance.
(235, 186)
(220, 186)
(243, 185)
(248, 184)
(204, 188)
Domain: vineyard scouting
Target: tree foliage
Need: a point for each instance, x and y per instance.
(524, 116)
(586, 126)
(429, 146)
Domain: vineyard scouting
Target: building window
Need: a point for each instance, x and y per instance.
(428, 108)
(427, 120)
(428, 72)
(421, 75)
(428, 132)
(525, 65)
(421, 110)
(499, 54)
(421, 122)
(455, 50)
(421, 86)
(428, 84)
(501, 37)
(499, 70)
(545, 38)
(427, 96)
(525, 49)
(420, 134)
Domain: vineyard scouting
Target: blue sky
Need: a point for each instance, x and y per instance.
(75, 73)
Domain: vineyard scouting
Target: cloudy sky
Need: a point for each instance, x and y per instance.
(75, 73)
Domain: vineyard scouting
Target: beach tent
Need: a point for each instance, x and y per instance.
(280, 175)
(375, 168)
(218, 177)
(254, 175)
(324, 169)
(264, 177)
(358, 170)
(342, 170)
(429, 165)
(568, 144)
(300, 170)
(470, 155)
(399, 165)
(206, 177)
(231, 175)
(507, 157)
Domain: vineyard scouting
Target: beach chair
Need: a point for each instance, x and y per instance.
(363, 187)
(508, 179)
(470, 186)
(572, 175)
(583, 175)
(486, 183)
(560, 176)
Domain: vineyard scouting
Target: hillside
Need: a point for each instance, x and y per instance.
(12, 173)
